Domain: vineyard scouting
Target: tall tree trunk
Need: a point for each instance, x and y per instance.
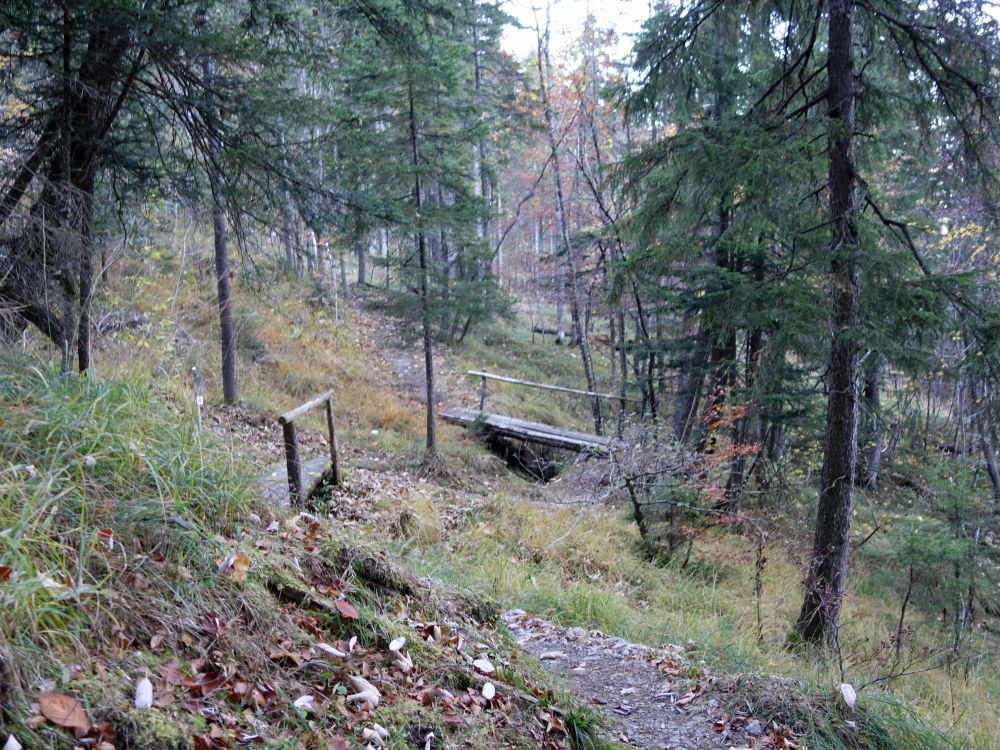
(317, 252)
(226, 330)
(362, 248)
(623, 368)
(743, 426)
(288, 232)
(689, 379)
(86, 274)
(983, 419)
(873, 441)
(227, 338)
(544, 74)
(425, 303)
(819, 618)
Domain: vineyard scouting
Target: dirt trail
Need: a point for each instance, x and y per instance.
(650, 698)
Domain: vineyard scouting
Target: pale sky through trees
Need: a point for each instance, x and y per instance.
(625, 17)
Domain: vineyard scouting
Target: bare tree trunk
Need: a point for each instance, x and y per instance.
(316, 251)
(425, 303)
(86, 275)
(227, 335)
(342, 261)
(544, 74)
(689, 379)
(742, 428)
(819, 619)
(288, 233)
(227, 338)
(983, 420)
(623, 368)
(362, 251)
(874, 442)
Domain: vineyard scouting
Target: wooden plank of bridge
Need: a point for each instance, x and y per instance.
(533, 432)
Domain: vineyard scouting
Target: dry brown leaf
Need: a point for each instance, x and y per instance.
(64, 711)
(346, 609)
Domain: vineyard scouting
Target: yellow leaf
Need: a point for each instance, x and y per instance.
(238, 570)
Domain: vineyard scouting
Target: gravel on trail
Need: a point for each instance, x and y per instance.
(650, 698)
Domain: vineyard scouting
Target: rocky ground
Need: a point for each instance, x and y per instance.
(654, 699)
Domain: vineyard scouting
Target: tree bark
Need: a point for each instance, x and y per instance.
(819, 618)
(288, 233)
(984, 421)
(86, 276)
(227, 337)
(425, 306)
(873, 442)
(361, 243)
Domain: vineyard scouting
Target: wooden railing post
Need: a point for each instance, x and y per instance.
(292, 462)
(296, 485)
(482, 394)
(334, 465)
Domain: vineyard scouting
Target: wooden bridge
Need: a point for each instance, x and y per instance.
(532, 432)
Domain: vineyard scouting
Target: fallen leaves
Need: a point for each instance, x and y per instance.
(55, 588)
(64, 711)
(376, 734)
(235, 565)
(106, 537)
(483, 665)
(346, 609)
(690, 695)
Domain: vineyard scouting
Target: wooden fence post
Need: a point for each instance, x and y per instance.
(294, 466)
(482, 395)
(334, 464)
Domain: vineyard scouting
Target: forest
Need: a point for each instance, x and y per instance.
(649, 382)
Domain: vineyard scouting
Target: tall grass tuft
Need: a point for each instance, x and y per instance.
(105, 494)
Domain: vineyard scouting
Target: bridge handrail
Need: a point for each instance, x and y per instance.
(562, 389)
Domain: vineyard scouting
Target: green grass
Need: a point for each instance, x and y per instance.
(83, 457)
(107, 500)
